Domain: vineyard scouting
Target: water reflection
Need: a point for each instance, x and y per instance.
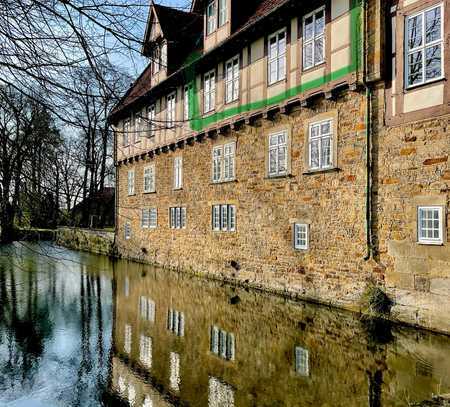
(85, 331)
(265, 351)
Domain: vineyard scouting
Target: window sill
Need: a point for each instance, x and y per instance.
(131, 194)
(430, 243)
(223, 231)
(312, 68)
(322, 170)
(424, 85)
(209, 113)
(178, 189)
(276, 82)
(231, 102)
(278, 177)
(149, 192)
(224, 182)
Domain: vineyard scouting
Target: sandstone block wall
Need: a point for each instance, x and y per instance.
(333, 203)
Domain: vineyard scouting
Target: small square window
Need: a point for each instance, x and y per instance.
(301, 236)
(430, 225)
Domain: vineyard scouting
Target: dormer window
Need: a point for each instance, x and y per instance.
(211, 17)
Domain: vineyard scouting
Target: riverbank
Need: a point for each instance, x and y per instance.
(98, 241)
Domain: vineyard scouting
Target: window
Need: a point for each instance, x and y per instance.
(126, 132)
(127, 231)
(151, 116)
(127, 339)
(424, 62)
(232, 80)
(211, 17)
(177, 172)
(126, 287)
(301, 236)
(139, 128)
(145, 351)
(223, 18)
(314, 38)
(131, 182)
(320, 145)
(174, 379)
(149, 179)
(156, 59)
(301, 361)
(148, 402)
(131, 395)
(223, 218)
(277, 57)
(149, 218)
(223, 162)
(430, 225)
(147, 309)
(209, 91)
(187, 95)
(175, 322)
(171, 106)
(278, 154)
(220, 394)
(222, 343)
(177, 218)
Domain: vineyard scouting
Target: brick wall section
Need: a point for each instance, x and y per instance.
(333, 203)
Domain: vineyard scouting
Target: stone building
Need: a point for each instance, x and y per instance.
(299, 148)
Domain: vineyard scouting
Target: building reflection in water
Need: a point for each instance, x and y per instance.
(180, 340)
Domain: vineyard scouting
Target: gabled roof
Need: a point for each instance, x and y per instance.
(142, 86)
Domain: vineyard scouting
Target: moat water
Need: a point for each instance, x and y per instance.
(80, 330)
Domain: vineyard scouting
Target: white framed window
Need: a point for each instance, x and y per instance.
(174, 379)
(131, 182)
(211, 17)
(222, 343)
(232, 80)
(149, 179)
(301, 236)
(151, 116)
(177, 218)
(314, 38)
(277, 56)
(430, 224)
(424, 46)
(171, 110)
(175, 322)
(301, 361)
(149, 218)
(220, 394)
(320, 145)
(188, 89)
(209, 90)
(178, 172)
(278, 154)
(127, 231)
(223, 218)
(127, 339)
(156, 59)
(145, 351)
(223, 14)
(126, 132)
(223, 162)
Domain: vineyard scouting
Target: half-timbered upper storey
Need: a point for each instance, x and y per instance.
(228, 60)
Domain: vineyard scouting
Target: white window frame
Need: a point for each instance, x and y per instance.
(171, 109)
(126, 133)
(296, 228)
(222, 10)
(321, 137)
(178, 172)
(279, 59)
(223, 167)
(315, 38)
(156, 56)
(186, 101)
(145, 218)
(153, 218)
(232, 81)
(223, 218)
(177, 217)
(149, 179)
(209, 91)
(423, 47)
(151, 116)
(441, 225)
(127, 231)
(131, 189)
(211, 17)
(276, 147)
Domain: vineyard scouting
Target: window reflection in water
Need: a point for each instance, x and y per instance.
(127, 339)
(175, 322)
(222, 343)
(145, 354)
(220, 394)
(301, 361)
(147, 309)
(174, 378)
